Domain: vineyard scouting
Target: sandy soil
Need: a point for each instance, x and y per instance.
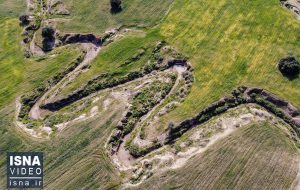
(34, 49)
(41, 133)
(296, 183)
(294, 6)
(30, 4)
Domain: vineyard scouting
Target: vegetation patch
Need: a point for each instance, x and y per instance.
(240, 96)
(229, 44)
(289, 66)
(28, 100)
(141, 104)
(232, 47)
(48, 34)
(95, 15)
(239, 162)
(157, 62)
(116, 6)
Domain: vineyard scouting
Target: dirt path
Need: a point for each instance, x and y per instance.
(123, 158)
(119, 93)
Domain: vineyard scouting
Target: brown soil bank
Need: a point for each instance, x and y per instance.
(242, 95)
(106, 81)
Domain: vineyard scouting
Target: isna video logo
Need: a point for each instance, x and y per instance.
(24, 170)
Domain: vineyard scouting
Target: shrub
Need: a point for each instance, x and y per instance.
(48, 32)
(49, 40)
(289, 66)
(130, 125)
(134, 150)
(24, 19)
(115, 6)
(171, 125)
(150, 67)
(134, 75)
(48, 44)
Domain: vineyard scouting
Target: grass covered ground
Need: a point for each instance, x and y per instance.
(232, 43)
(19, 75)
(94, 15)
(259, 156)
(75, 158)
(112, 58)
(12, 8)
(11, 59)
(229, 43)
(81, 145)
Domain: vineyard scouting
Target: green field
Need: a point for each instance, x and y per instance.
(19, 75)
(12, 8)
(80, 146)
(229, 43)
(232, 43)
(94, 15)
(112, 58)
(259, 156)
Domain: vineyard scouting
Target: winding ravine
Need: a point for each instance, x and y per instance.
(122, 158)
(91, 53)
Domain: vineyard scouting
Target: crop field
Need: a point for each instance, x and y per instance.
(232, 43)
(81, 145)
(223, 44)
(113, 57)
(94, 15)
(229, 44)
(12, 8)
(19, 75)
(259, 156)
